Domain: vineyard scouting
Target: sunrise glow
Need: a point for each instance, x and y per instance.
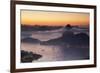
(53, 18)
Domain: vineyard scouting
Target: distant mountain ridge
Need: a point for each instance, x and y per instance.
(38, 28)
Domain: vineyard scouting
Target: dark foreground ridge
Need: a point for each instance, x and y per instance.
(29, 56)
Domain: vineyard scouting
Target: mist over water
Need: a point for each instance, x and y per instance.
(54, 52)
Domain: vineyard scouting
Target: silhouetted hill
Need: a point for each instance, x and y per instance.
(29, 56)
(81, 38)
(69, 38)
(30, 40)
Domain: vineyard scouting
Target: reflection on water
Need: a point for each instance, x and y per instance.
(48, 52)
(56, 53)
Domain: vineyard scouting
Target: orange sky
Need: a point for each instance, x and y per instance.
(53, 18)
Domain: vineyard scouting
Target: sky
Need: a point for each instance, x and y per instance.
(51, 18)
